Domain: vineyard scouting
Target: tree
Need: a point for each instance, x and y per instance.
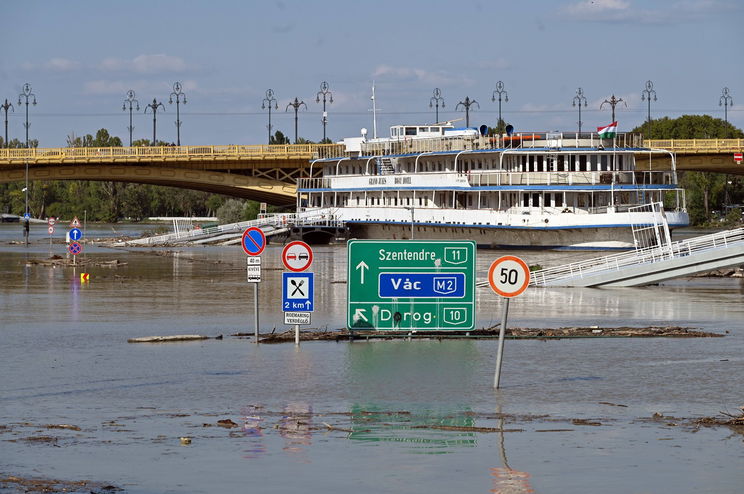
(279, 138)
(706, 191)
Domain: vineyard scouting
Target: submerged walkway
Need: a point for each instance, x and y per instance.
(651, 265)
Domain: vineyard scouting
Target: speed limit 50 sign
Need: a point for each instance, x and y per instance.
(509, 276)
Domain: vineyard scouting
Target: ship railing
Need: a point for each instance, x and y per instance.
(478, 178)
(318, 217)
(631, 258)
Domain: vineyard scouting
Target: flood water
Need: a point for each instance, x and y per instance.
(404, 416)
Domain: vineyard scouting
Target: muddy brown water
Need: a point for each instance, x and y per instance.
(383, 416)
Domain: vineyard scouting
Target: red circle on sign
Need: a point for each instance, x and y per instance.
(51, 229)
(256, 241)
(509, 288)
(297, 256)
(75, 248)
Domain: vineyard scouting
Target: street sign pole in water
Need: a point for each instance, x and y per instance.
(509, 277)
(297, 256)
(254, 243)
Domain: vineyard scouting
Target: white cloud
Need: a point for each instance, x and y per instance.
(56, 64)
(388, 72)
(145, 64)
(623, 11)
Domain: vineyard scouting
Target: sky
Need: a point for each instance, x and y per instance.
(81, 58)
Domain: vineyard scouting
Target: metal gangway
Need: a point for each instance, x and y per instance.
(271, 224)
(650, 265)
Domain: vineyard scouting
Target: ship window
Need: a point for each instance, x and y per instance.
(582, 162)
(593, 161)
(526, 200)
(603, 162)
(536, 200)
(410, 131)
(395, 131)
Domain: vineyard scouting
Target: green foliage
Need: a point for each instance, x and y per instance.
(16, 144)
(231, 211)
(279, 138)
(706, 192)
(689, 127)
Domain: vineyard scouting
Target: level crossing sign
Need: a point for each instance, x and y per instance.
(298, 292)
(411, 285)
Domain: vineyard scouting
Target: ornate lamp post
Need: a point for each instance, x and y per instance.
(613, 102)
(324, 91)
(296, 104)
(646, 95)
(5, 107)
(467, 104)
(726, 101)
(178, 94)
(26, 94)
(130, 101)
(267, 104)
(500, 90)
(154, 106)
(579, 98)
(434, 102)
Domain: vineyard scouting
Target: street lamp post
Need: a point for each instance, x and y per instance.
(646, 95)
(324, 92)
(26, 94)
(130, 101)
(500, 90)
(6, 107)
(178, 94)
(434, 102)
(613, 102)
(296, 104)
(267, 104)
(726, 101)
(579, 99)
(154, 107)
(467, 104)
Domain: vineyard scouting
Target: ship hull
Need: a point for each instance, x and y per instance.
(596, 238)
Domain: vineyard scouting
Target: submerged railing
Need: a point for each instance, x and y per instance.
(623, 260)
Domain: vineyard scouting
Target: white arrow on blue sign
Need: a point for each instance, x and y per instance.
(76, 234)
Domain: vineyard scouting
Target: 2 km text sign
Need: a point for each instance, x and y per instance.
(411, 285)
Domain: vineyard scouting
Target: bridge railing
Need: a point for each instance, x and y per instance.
(139, 153)
(696, 145)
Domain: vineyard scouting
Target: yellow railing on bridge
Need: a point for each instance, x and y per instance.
(693, 146)
(185, 153)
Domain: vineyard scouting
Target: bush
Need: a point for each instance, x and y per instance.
(231, 211)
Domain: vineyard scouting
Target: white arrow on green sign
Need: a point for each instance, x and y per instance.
(403, 285)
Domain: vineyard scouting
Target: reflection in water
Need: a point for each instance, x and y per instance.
(253, 431)
(425, 430)
(506, 480)
(295, 428)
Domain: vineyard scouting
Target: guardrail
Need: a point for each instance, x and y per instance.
(617, 262)
(276, 220)
(696, 145)
(185, 153)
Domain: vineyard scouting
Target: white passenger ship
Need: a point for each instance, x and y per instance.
(536, 190)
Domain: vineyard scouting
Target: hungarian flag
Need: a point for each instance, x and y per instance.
(608, 131)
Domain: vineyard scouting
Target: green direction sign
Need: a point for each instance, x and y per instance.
(402, 285)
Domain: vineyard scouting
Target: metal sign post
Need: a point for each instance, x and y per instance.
(254, 243)
(509, 277)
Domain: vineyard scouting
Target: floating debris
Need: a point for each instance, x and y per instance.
(172, 338)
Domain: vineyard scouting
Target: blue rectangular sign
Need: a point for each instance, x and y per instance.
(298, 292)
(422, 285)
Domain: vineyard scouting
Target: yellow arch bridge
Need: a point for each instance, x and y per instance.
(265, 173)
